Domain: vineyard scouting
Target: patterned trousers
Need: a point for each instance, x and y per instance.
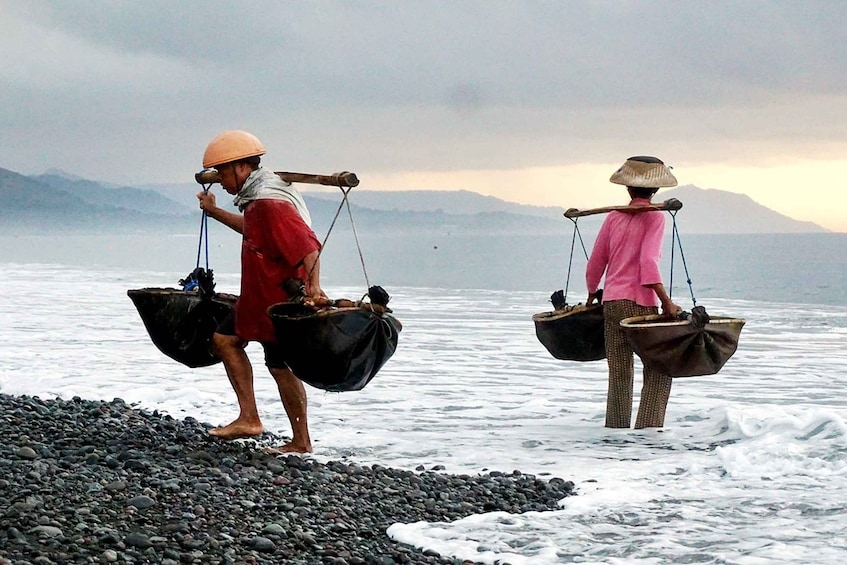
(657, 387)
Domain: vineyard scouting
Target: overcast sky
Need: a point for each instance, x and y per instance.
(534, 102)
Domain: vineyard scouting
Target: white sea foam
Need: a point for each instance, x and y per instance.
(751, 466)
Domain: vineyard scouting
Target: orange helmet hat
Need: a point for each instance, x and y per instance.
(230, 146)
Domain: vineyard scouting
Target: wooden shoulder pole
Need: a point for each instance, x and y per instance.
(345, 178)
(670, 204)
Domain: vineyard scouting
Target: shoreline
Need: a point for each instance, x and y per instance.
(98, 482)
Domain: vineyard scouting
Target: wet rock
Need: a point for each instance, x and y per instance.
(100, 482)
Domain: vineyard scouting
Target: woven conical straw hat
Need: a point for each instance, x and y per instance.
(644, 172)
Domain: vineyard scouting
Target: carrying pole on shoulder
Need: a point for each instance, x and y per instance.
(672, 204)
(343, 179)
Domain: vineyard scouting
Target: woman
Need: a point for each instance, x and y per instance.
(627, 250)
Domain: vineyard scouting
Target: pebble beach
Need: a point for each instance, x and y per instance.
(103, 482)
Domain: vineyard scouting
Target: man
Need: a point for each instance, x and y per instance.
(278, 244)
(627, 250)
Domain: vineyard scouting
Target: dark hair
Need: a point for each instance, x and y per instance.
(641, 192)
(646, 159)
(252, 161)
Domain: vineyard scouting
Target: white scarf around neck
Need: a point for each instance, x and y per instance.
(265, 184)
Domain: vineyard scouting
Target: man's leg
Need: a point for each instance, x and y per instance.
(230, 349)
(293, 395)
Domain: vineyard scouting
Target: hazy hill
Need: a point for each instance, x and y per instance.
(492, 242)
(738, 213)
(58, 202)
(451, 202)
(94, 194)
(182, 194)
(55, 204)
(718, 211)
(429, 209)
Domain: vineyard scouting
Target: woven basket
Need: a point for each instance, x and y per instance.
(574, 333)
(680, 348)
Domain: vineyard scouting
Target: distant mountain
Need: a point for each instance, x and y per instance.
(445, 201)
(59, 202)
(718, 211)
(704, 210)
(421, 210)
(97, 195)
(53, 171)
(182, 194)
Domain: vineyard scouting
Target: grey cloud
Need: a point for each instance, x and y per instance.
(418, 84)
(527, 50)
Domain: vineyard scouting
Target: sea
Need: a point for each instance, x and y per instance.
(750, 468)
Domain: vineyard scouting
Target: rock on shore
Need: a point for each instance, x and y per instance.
(101, 482)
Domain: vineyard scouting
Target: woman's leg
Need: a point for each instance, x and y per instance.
(620, 361)
(654, 399)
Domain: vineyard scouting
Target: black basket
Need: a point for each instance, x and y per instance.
(683, 348)
(334, 349)
(181, 322)
(573, 333)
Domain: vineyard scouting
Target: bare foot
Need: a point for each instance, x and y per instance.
(237, 430)
(290, 447)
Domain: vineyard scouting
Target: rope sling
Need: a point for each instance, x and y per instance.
(180, 322)
(572, 332)
(201, 278)
(338, 346)
(690, 345)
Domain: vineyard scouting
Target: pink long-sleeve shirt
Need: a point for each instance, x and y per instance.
(628, 249)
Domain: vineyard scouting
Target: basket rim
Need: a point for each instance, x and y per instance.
(159, 291)
(557, 314)
(322, 312)
(653, 321)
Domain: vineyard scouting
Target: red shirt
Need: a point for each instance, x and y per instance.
(628, 249)
(275, 242)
